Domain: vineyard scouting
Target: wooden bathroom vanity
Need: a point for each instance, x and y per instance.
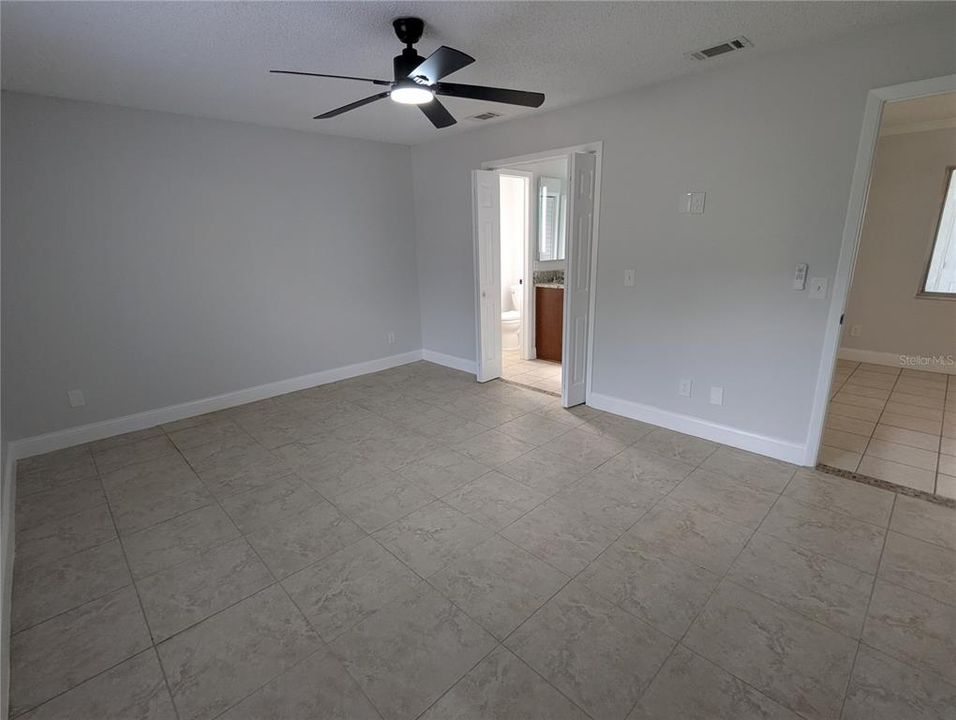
(548, 321)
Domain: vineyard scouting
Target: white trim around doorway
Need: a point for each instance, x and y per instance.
(596, 147)
(850, 244)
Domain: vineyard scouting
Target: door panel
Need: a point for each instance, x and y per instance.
(577, 281)
(486, 216)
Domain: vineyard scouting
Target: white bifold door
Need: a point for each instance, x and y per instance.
(577, 278)
(486, 209)
(486, 202)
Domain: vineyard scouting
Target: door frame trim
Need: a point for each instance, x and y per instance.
(850, 245)
(597, 148)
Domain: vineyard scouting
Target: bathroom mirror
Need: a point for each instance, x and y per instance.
(552, 200)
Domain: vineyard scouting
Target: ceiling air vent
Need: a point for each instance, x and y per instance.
(738, 43)
(485, 116)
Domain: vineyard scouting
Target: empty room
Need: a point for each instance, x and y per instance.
(477, 360)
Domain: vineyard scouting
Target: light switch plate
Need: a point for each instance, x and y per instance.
(800, 277)
(716, 395)
(684, 387)
(629, 278)
(818, 288)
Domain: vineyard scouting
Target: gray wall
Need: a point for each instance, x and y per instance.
(773, 144)
(902, 211)
(151, 259)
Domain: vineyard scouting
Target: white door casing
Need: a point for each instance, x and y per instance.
(486, 216)
(577, 278)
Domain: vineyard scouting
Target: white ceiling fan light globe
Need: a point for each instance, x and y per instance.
(412, 95)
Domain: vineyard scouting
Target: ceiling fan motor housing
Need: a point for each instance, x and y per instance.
(409, 29)
(405, 63)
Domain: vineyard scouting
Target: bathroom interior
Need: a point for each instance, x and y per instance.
(534, 208)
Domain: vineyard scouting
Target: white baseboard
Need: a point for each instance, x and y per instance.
(150, 418)
(8, 497)
(452, 361)
(893, 360)
(761, 444)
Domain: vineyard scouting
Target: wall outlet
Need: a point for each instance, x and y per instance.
(629, 277)
(716, 395)
(391, 338)
(818, 288)
(684, 387)
(76, 398)
(856, 330)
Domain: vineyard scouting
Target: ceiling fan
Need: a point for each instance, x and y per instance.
(418, 80)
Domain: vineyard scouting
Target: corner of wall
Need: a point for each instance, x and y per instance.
(452, 361)
(415, 242)
(7, 500)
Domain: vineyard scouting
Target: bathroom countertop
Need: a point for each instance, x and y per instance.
(559, 286)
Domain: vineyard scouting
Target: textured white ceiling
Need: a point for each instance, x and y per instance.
(212, 59)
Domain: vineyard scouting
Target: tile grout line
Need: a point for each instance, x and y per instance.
(495, 533)
(880, 417)
(421, 578)
(896, 380)
(276, 582)
(323, 645)
(139, 598)
(90, 678)
(679, 641)
(866, 612)
(939, 453)
(571, 578)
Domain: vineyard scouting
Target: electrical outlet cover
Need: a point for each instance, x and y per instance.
(685, 387)
(716, 395)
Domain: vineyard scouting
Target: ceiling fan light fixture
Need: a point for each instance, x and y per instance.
(412, 95)
(420, 81)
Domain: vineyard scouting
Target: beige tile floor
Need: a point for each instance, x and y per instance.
(894, 425)
(410, 544)
(539, 374)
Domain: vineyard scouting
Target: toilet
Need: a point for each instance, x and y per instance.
(511, 322)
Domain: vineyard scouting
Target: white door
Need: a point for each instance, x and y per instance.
(577, 278)
(486, 217)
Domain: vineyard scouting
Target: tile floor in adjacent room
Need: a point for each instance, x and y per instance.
(539, 374)
(894, 425)
(411, 544)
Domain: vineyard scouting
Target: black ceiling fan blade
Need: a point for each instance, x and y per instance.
(444, 61)
(351, 106)
(438, 114)
(492, 94)
(340, 77)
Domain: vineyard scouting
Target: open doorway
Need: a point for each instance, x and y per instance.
(891, 410)
(534, 207)
(535, 224)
